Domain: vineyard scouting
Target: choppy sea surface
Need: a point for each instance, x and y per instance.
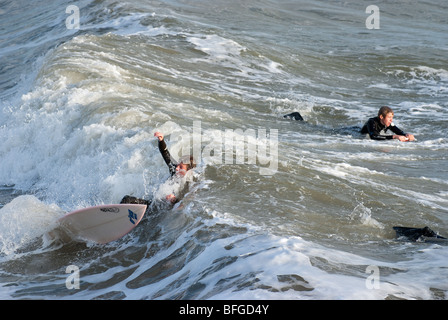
(276, 208)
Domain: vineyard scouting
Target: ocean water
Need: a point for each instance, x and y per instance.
(276, 209)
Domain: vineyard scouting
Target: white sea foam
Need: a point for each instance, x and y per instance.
(77, 130)
(23, 220)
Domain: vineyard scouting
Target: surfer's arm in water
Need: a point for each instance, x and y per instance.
(400, 135)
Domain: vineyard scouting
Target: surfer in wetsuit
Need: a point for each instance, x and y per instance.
(176, 168)
(377, 127)
(186, 162)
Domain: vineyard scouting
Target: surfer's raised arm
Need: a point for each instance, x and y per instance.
(176, 168)
(166, 154)
(180, 168)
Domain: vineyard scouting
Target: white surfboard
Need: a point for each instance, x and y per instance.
(103, 223)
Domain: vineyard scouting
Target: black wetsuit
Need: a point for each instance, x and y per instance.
(167, 157)
(377, 130)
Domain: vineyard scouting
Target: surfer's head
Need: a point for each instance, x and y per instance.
(185, 163)
(386, 115)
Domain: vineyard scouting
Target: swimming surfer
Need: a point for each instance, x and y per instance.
(378, 126)
(179, 168)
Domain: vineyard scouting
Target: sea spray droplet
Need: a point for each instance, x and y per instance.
(363, 215)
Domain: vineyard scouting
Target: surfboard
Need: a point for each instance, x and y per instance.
(104, 223)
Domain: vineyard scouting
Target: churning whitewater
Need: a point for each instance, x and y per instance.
(276, 208)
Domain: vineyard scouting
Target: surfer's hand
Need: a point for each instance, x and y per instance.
(410, 137)
(171, 198)
(401, 138)
(159, 135)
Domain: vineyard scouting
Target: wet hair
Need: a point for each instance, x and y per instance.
(384, 110)
(188, 161)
